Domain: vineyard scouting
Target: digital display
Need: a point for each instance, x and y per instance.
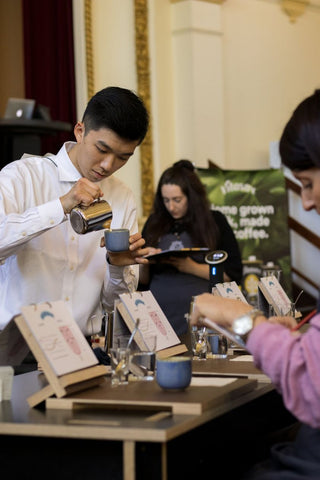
(216, 257)
(215, 260)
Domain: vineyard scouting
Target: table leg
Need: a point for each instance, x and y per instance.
(164, 462)
(129, 463)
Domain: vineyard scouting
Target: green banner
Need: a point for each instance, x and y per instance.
(255, 204)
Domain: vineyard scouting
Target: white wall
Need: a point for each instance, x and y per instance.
(162, 87)
(266, 64)
(271, 64)
(113, 38)
(197, 39)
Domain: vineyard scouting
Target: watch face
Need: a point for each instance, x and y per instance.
(242, 325)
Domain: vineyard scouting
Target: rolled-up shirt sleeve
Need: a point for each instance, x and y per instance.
(16, 229)
(292, 361)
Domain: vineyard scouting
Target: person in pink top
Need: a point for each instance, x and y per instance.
(289, 358)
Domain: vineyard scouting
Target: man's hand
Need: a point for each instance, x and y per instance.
(135, 254)
(82, 193)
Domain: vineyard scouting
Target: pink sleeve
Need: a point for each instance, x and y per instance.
(292, 361)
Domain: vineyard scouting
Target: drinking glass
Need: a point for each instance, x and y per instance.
(119, 365)
(199, 343)
(217, 345)
(143, 362)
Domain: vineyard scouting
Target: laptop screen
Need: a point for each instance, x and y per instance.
(19, 108)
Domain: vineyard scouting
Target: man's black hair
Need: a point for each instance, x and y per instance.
(119, 110)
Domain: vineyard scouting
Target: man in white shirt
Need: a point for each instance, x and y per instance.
(41, 256)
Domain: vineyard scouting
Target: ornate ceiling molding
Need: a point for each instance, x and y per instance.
(294, 8)
(208, 1)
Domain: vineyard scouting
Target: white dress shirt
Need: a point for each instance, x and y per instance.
(41, 257)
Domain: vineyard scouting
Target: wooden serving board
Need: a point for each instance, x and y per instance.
(194, 400)
(224, 367)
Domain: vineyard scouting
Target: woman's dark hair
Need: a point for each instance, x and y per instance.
(198, 220)
(300, 140)
(119, 110)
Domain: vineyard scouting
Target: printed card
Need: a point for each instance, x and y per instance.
(59, 337)
(229, 290)
(153, 321)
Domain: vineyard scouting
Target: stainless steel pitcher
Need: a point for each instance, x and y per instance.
(96, 216)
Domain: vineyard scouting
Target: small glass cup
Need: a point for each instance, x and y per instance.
(271, 271)
(122, 341)
(199, 343)
(143, 362)
(217, 345)
(119, 365)
(271, 311)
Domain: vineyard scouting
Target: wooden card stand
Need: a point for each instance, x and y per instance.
(171, 351)
(138, 338)
(58, 385)
(69, 384)
(271, 294)
(144, 306)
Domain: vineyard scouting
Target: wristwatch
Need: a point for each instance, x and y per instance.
(243, 325)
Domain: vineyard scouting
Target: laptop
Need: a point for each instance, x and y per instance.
(19, 108)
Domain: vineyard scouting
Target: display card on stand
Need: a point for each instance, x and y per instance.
(67, 360)
(229, 290)
(152, 321)
(271, 294)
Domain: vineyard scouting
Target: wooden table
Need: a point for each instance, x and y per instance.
(231, 366)
(122, 420)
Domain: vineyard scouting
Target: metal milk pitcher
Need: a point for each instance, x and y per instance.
(96, 216)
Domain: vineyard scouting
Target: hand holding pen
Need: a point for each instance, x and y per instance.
(304, 320)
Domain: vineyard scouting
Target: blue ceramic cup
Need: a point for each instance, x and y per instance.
(174, 373)
(117, 240)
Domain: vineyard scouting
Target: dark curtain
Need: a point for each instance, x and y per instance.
(49, 62)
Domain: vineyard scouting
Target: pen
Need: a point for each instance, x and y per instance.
(304, 320)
